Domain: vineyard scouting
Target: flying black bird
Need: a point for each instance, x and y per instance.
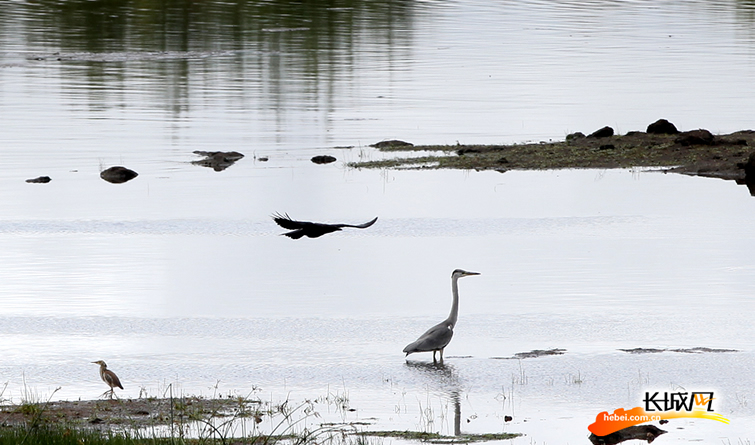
(312, 229)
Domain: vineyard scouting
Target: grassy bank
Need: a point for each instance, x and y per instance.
(197, 420)
(697, 152)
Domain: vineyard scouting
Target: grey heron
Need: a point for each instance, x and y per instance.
(109, 377)
(437, 337)
(312, 229)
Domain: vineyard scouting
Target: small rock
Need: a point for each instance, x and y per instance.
(574, 136)
(662, 126)
(695, 137)
(636, 432)
(118, 175)
(392, 143)
(217, 160)
(604, 132)
(607, 147)
(323, 159)
(224, 155)
(503, 161)
(507, 418)
(39, 180)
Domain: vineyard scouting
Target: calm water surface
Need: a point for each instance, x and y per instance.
(180, 279)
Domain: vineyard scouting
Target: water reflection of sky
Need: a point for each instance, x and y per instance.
(181, 278)
(429, 73)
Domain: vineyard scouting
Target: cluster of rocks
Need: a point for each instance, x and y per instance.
(216, 160)
(663, 127)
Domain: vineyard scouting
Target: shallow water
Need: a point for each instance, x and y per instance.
(179, 279)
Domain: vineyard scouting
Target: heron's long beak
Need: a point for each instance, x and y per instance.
(471, 273)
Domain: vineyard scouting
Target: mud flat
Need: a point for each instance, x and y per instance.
(697, 152)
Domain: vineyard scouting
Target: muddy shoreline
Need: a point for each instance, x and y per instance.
(697, 153)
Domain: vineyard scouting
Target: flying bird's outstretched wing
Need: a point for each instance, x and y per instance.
(312, 229)
(286, 222)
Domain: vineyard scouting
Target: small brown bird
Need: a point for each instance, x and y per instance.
(108, 377)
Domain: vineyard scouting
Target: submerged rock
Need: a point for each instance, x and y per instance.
(118, 175)
(217, 160)
(39, 180)
(323, 159)
(662, 126)
(392, 143)
(604, 132)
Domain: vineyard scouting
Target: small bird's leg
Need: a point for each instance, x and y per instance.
(434, 361)
(441, 355)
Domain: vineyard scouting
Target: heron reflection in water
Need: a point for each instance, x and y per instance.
(443, 379)
(108, 377)
(437, 337)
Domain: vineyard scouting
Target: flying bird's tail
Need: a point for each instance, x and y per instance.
(361, 226)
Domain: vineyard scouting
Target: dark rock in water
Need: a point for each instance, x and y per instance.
(636, 432)
(662, 126)
(392, 143)
(39, 180)
(749, 166)
(217, 160)
(695, 137)
(575, 136)
(323, 159)
(118, 175)
(604, 132)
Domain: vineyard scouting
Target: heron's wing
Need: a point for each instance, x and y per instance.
(437, 337)
(359, 226)
(112, 379)
(286, 222)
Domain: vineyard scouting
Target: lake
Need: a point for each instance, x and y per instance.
(180, 279)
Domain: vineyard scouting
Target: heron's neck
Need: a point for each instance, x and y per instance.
(454, 315)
